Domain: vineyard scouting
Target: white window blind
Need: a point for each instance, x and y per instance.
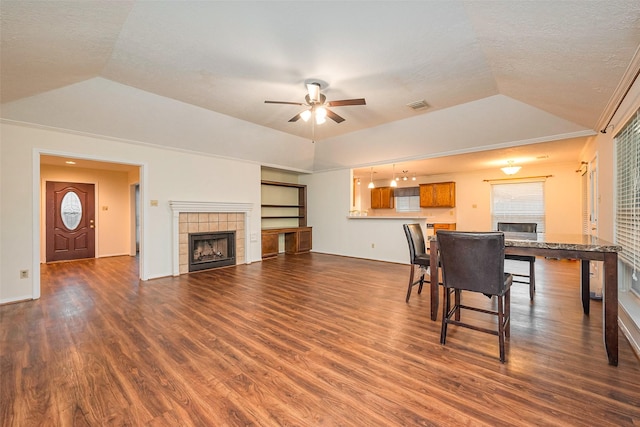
(518, 202)
(408, 204)
(628, 195)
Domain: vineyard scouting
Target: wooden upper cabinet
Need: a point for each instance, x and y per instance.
(382, 198)
(438, 195)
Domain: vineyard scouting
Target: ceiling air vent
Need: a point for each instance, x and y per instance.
(418, 105)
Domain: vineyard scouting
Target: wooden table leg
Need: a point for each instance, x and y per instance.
(434, 277)
(584, 285)
(610, 306)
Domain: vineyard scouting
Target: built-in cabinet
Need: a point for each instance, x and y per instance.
(382, 198)
(296, 240)
(438, 195)
(284, 211)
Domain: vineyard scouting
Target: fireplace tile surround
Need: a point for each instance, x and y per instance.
(195, 217)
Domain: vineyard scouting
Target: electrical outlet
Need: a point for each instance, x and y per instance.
(24, 274)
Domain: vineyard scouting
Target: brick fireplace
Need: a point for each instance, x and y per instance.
(209, 217)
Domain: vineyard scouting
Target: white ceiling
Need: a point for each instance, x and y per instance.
(565, 59)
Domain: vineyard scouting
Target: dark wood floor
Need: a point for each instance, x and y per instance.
(307, 340)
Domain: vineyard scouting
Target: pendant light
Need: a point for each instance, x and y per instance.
(371, 185)
(393, 178)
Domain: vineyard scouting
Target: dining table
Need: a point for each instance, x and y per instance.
(581, 247)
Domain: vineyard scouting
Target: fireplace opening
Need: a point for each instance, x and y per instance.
(211, 250)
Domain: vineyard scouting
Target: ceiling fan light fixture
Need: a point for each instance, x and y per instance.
(305, 115)
(320, 119)
(314, 92)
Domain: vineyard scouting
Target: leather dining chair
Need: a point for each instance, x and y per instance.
(474, 262)
(522, 227)
(418, 256)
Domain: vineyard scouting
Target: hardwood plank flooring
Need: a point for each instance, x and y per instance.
(306, 340)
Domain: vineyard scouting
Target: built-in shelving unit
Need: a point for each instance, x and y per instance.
(284, 212)
(289, 202)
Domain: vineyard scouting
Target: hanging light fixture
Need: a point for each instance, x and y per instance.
(414, 177)
(358, 181)
(404, 175)
(371, 185)
(393, 178)
(510, 169)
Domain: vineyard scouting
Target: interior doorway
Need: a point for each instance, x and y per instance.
(67, 167)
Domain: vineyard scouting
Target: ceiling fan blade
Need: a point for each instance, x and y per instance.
(346, 102)
(294, 118)
(283, 102)
(333, 116)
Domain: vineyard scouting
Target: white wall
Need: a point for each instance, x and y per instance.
(166, 175)
(333, 232)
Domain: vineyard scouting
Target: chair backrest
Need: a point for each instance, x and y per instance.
(521, 227)
(415, 239)
(472, 261)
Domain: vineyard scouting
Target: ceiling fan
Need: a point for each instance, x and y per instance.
(317, 103)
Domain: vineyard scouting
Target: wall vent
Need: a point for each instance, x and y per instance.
(418, 105)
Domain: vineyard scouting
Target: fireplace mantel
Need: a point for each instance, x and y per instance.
(178, 207)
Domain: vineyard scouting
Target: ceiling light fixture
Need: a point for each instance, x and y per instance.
(393, 178)
(414, 177)
(510, 169)
(404, 175)
(358, 181)
(371, 185)
(70, 162)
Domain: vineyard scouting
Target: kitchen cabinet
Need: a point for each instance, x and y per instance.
(438, 195)
(382, 198)
(437, 227)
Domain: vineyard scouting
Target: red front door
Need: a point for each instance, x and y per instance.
(70, 221)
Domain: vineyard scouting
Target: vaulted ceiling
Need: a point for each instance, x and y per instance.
(552, 69)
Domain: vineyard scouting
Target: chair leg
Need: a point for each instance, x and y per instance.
(507, 310)
(421, 281)
(458, 294)
(501, 325)
(413, 267)
(445, 314)
(532, 279)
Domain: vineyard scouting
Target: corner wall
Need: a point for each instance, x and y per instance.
(166, 175)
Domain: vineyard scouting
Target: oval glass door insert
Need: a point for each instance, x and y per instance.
(71, 210)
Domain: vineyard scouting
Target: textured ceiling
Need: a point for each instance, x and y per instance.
(565, 58)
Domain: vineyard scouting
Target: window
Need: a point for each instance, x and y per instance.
(627, 216)
(407, 199)
(518, 202)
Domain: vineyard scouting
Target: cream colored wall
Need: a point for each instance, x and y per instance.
(112, 206)
(473, 197)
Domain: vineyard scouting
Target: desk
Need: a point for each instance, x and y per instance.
(297, 240)
(568, 246)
